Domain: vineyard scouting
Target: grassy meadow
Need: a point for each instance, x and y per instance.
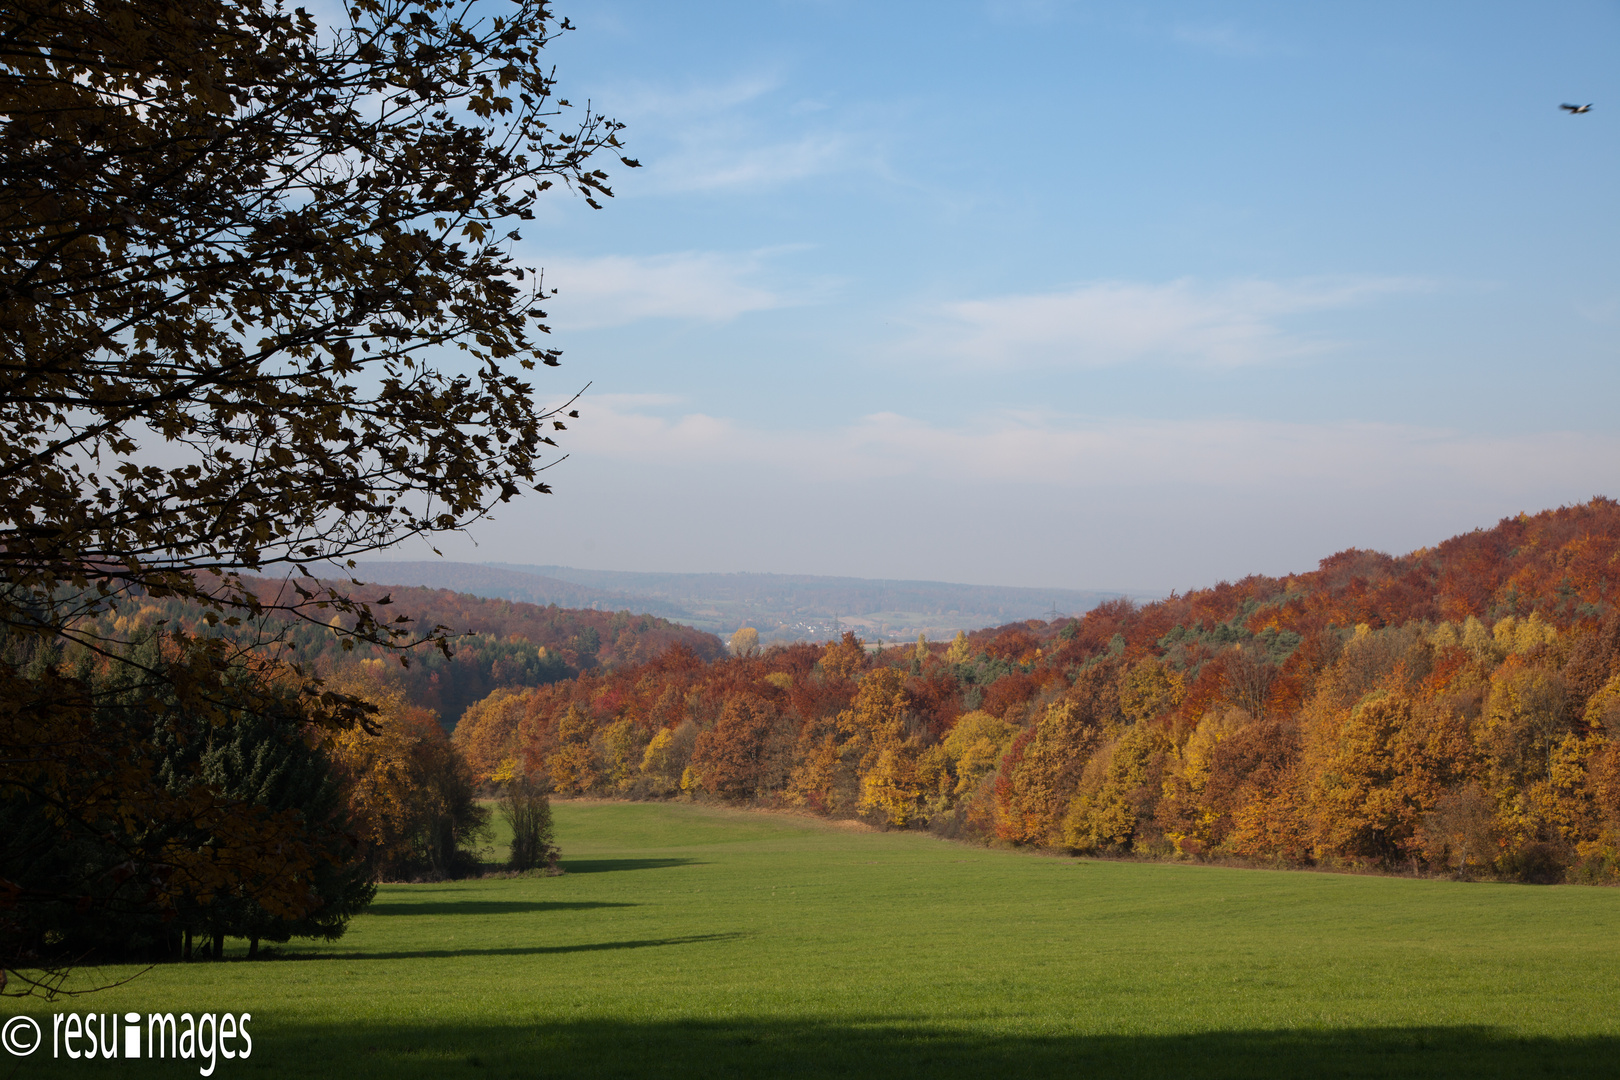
(687, 941)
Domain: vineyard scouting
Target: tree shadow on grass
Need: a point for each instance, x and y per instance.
(487, 907)
(607, 866)
(514, 950)
(747, 1048)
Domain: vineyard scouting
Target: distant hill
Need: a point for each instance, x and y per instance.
(498, 643)
(584, 637)
(500, 648)
(483, 579)
(783, 607)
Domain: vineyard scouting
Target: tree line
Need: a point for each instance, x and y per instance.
(1449, 711)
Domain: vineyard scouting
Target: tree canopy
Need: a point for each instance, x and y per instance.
(259, 307)
(259, 313)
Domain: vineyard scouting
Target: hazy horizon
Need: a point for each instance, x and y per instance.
(459, 551)
(536, 568)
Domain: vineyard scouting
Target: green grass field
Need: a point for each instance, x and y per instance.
(694, 942)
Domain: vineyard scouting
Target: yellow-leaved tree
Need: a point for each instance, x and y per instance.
(1107, 812)
(1379, 768)
(875, 734)
(624, 744)
(1041, 771)
(1149, 689)
(411, 794)
(845, 658)
(669, 752)
(575, 766)
(745, 642)
(971, 749)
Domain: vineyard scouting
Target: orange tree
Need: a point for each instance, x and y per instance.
(257, 312)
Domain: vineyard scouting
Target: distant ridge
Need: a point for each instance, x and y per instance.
(780, 606)
(494, 582)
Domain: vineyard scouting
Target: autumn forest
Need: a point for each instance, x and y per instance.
(1444, 712)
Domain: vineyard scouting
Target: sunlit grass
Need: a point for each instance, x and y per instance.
(687, 941)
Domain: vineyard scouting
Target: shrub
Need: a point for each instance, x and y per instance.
(524, 805)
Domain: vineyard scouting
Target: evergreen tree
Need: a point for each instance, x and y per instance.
(272, 763)
(93, 883)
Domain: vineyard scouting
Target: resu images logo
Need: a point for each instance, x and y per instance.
(21, 1036)
(204, 1038)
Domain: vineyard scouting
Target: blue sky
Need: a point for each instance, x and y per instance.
(1082, 295)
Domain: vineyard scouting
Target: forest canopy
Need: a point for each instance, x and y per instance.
(1449, 711)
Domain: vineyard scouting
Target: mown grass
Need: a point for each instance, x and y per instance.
(694, 942)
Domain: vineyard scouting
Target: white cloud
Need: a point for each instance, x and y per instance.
(1108, 323)
(720, 158)
(1054, 452)
(693, 100)
(613, 290)
(731, 135)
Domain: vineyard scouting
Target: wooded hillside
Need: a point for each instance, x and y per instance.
(502, 643)
(1449, 709)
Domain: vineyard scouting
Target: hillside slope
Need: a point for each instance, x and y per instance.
(498, 583)
(1454, 709)
(496, 643)
(1562, 565)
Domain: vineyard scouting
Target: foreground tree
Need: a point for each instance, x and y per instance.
(257, 306)
(258, 313)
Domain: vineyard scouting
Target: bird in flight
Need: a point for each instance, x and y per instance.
(1576, 108)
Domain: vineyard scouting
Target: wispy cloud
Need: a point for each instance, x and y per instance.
(1109, 323)
(612, 290)
(723, 156)
(1055, 452)
(693, 100)
(741, 133)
